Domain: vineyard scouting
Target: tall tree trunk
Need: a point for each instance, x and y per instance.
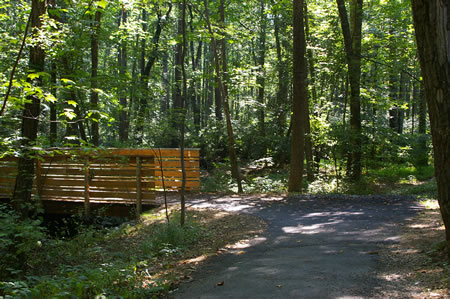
(222, 84)
(195, 86)
(261, 78)
(183, 110)
(122, 61)
(146, 67)
(352, 41)
(94, 80)
(308, 137)
(30, 121)
(299, 99)
(177, 106)
(53, 113)
(432, 25)
(283, 88)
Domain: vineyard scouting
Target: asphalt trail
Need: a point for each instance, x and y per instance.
(315, 247)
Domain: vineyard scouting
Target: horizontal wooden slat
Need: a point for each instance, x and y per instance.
(8, 159)
(191, 184)
(7, 180)
(100, 200)
(178, 174)
(95, 194)
(112, 174)
(176, 153)
(177, 164)
(8, 168)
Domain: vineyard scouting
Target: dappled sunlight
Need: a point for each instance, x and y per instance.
(311, 229)
(331, 214)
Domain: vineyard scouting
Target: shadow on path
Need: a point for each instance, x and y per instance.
(320, 246)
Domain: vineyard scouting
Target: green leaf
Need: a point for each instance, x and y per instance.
(102, 3)
(73, 103)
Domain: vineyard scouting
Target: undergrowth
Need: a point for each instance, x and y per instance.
(385, 179)
(113, 263)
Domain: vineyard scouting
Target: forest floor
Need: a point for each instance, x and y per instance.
(412, 266)
(416, 266)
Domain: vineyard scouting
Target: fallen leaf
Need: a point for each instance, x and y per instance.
(279, 286)
(241, 252)
(219, 284)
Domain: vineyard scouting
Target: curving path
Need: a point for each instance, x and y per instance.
(314, 247)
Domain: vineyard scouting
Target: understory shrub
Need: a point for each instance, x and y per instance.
(20, 242)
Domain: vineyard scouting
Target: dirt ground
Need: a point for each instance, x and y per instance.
(417, 267)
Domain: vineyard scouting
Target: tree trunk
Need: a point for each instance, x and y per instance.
(94, 73)
(122, 61)
(308, 136)
(30, 121)
(183, 111)
(352, 41)
(53, 113)
(299, 100)
(261, 78)
(283, 81)
(231, 144)
(146, 67)
(432, 25)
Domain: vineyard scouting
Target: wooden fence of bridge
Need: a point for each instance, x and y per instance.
(124, 176)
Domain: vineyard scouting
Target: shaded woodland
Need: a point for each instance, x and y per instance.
(279, 96)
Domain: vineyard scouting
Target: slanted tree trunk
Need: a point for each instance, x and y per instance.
(352, 41)
(146, 67)
(299, 100)
(432, 25)
(226, 108)
(30, 121)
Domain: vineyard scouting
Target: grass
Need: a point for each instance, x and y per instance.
(140, 260)
(385, 179)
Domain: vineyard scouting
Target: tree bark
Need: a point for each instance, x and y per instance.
(352, 42)
(146, 67)
(283, 88)
(94, 81)
(122, 61)
(261, 78)
(299, 100)
(312, 79)
(432, 25)
(231, 144)
(30, 121)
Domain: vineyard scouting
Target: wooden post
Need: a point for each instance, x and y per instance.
(138, 187)
(38, 178)
(87, 204)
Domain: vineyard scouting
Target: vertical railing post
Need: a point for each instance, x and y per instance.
(38, 178)
(138, 187)
(87, 204)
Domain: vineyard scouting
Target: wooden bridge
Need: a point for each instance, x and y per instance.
(104, 179)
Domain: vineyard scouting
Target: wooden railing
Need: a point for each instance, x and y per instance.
(129, 176)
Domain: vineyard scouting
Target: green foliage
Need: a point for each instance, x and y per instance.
(94, 262)
(172, 238)
(21, 240)
(398, 173)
